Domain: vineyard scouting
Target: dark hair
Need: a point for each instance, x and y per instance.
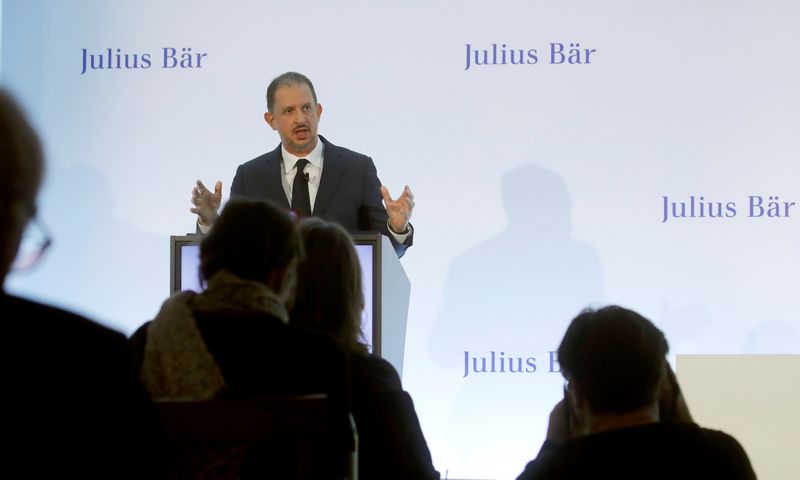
(250, 239)
(21, 158)
(286, 80)
(329, 298)
(617, 357)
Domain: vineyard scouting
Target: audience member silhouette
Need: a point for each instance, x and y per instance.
(610, 426)
(73, 407)
(232, 340)
(330, 299)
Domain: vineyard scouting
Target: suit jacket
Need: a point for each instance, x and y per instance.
(349, 190)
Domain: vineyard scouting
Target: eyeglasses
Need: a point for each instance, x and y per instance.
(567, 408)
(35, 241)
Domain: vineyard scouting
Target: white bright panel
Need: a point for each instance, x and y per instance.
(749, 397)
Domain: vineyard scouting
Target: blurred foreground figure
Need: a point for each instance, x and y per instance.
(233, 341)
(623, 416)
(330, 299)
(74, 407)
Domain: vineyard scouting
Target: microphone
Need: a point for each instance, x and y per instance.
(306, 177)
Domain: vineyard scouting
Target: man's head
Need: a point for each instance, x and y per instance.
(21, 168)
(293, 111)
(614, 358)
(254, 240)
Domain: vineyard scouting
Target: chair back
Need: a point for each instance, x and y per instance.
(291, 437)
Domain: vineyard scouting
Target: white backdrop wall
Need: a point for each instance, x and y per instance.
(540, 187)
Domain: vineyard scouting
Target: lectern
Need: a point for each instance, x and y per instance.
(386, 289)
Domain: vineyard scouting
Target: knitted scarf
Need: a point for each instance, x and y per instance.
(177, 363)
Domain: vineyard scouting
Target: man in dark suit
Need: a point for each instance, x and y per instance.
(334, 183)
(73, 405)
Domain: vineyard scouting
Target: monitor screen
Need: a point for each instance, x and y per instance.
(186, 264)
(365, 255)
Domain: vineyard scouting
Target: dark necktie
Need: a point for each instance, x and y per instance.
(301, 202)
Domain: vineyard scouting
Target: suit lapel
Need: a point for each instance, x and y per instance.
(332, 171)
(273, 177)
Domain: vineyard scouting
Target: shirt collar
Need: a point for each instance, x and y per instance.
(314, 157)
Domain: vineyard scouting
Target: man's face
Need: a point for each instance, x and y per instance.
(295, 118)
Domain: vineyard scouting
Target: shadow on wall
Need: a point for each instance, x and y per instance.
(97, 264)
(518, 290)
(511, 297)
(773, 337)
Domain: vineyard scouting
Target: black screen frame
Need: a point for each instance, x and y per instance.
(371, 239)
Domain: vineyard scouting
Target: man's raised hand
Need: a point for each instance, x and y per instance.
(206, 203)
(399, 210)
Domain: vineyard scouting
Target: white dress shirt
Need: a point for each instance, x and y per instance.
(313, 169)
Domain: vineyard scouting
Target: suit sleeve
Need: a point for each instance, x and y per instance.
(236, 184)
